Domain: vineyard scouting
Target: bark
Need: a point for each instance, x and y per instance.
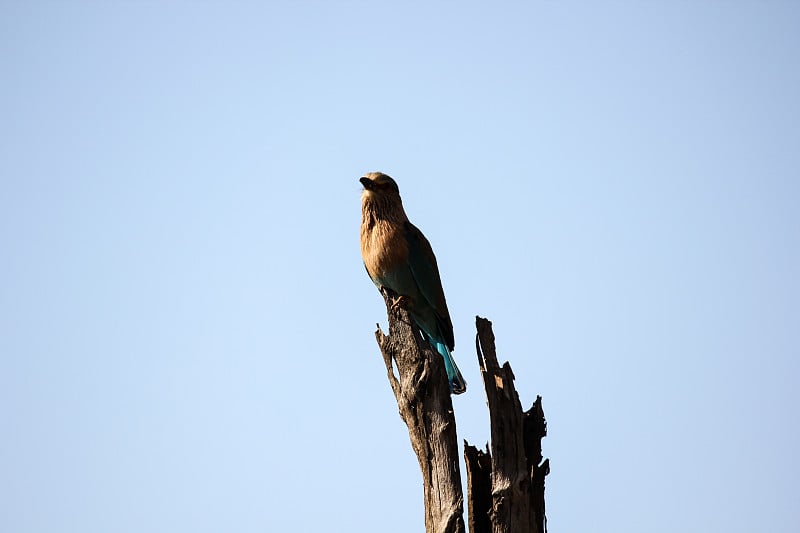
(479, 487)
(506, 485)
(423, 398)
(517, 471)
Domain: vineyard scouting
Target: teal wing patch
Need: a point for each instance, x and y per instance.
(423, 267)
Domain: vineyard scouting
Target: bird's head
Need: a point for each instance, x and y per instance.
(381, 197)
(379, 184)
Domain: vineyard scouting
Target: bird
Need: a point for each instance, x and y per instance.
(399, 258)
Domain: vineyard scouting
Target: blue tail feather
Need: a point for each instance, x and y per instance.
(457, 383)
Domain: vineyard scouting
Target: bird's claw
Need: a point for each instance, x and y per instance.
(400, 302)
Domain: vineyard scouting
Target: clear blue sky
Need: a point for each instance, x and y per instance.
(186, 328)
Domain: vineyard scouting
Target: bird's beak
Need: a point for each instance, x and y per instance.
(367, 183)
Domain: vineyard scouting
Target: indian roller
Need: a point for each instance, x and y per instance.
(398, 257)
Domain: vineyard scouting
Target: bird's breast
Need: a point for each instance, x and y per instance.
(383, 247)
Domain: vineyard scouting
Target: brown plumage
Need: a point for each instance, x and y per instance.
(398, 257)
(384, 246)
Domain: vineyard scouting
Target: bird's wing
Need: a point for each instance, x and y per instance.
(423, 267)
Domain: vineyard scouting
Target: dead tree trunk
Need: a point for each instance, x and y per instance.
(506, 486)
(423, 398)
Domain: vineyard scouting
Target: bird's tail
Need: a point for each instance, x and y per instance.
(457, 383)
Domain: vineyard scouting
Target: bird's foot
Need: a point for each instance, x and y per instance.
(400, 302)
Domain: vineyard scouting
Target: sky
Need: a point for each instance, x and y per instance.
(186, 327)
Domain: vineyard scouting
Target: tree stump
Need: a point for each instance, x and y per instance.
(506, 485)
(423, 399)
